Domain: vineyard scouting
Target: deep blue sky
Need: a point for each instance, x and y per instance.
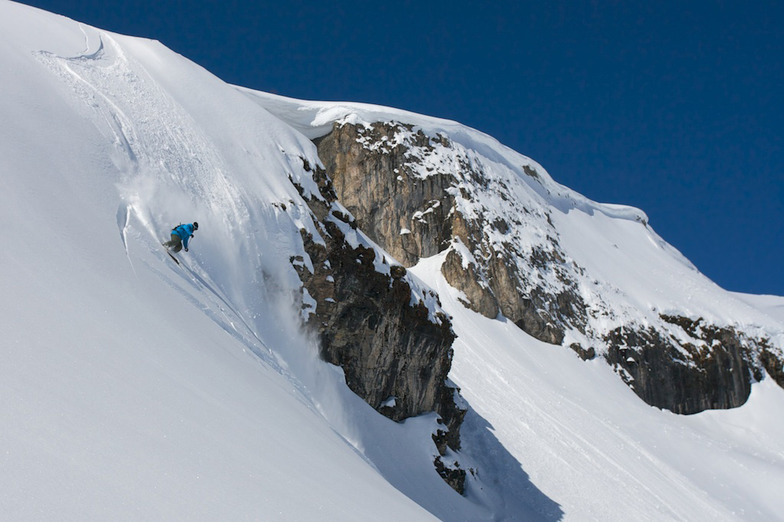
(674, 107)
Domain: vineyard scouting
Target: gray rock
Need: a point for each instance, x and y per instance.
(382, 174)
(715, 371)
(395, 351)
(417, 196)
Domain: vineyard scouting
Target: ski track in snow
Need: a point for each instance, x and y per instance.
(152, 137)
(582, 435)
(546, 436)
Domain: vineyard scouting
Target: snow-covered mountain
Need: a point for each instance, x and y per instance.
(135, 388)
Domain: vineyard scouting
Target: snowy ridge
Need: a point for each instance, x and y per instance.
(606, 241)
(135, 388)
(315, 119)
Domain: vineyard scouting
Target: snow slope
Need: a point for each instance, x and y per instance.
(134, 388)
(588, 442)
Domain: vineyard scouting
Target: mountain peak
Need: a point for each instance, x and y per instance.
(377, 305)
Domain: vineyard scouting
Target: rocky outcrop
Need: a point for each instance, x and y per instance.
(374, 178)
(392, 340)
(772, 361)
(453, 474)
(714, 370)
(467, 278)
(416, 196)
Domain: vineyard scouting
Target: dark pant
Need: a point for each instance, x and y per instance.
(175, 244)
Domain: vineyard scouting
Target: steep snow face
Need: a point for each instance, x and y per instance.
(135, 388)
(584, 439)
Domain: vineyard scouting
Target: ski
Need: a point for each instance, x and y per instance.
(173, 258)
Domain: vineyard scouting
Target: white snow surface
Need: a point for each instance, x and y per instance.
(136, 389)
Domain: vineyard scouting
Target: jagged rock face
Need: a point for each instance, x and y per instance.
(395, 350)
(683, 378)
(419, 195)
(454, 476)
(772, 361)
(372, 174)
(465, 277)
(713, 370)
(393, 356)
(415, 196)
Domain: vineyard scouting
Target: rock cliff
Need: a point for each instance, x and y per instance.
(389, 336)
(712, 368)
(419, 194)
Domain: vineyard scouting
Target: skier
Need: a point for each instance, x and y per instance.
(180, 235)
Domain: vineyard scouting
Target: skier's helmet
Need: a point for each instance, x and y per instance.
(195, 225)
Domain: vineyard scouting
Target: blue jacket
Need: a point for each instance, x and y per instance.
(185, 232)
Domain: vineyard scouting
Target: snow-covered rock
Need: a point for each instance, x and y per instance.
(135, 388)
